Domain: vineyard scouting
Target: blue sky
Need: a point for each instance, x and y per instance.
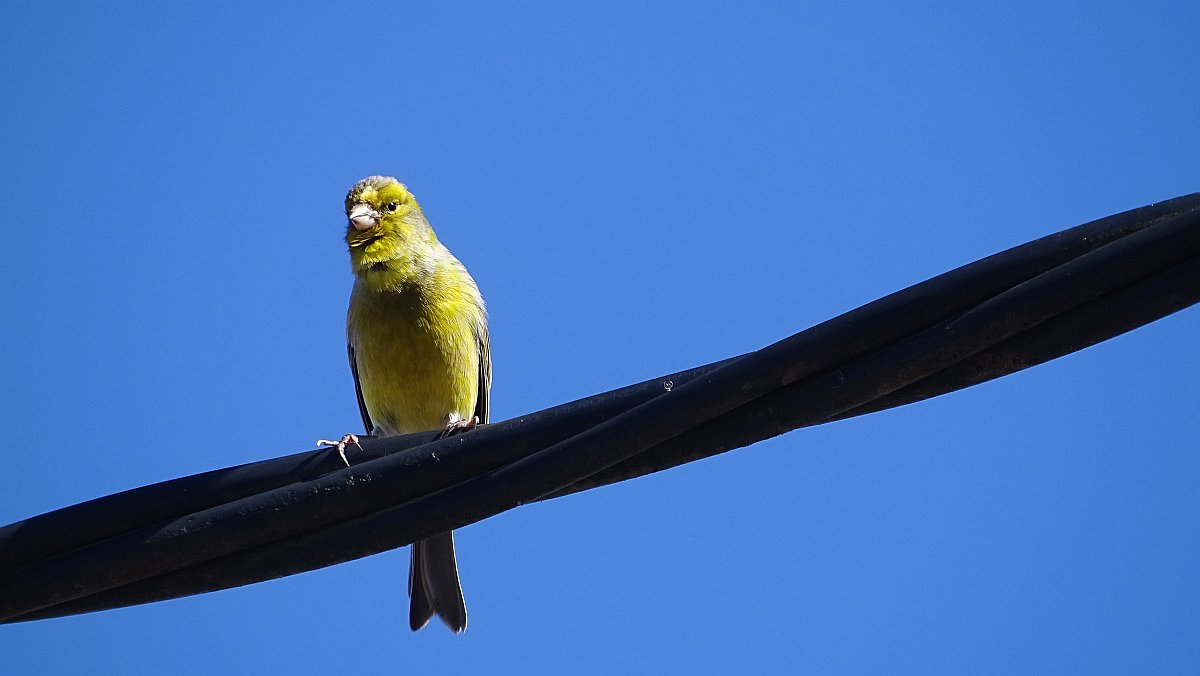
(637, 190)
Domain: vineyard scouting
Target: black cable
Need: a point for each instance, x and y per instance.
(264, 520)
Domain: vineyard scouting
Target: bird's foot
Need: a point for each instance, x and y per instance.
(341, 444)
(459, 426)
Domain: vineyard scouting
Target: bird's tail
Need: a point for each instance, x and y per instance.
(433, 587)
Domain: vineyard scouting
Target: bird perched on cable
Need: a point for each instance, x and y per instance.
(418, 344)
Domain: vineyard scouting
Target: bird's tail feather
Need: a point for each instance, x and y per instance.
(433, 587)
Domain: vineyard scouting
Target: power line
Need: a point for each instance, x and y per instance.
(279, 517)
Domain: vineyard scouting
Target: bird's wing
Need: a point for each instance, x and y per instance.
(482, 399)
(362, 405)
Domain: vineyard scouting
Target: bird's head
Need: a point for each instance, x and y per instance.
(385, 222)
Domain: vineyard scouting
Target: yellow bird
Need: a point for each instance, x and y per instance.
(418, 344)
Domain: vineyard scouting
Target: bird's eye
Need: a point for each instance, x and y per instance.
(392, 206)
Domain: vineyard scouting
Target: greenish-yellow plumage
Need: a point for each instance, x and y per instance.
(418, 344)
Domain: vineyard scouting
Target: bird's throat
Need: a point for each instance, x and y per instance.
(392, 274)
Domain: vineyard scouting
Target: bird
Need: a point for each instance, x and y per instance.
(417, 340)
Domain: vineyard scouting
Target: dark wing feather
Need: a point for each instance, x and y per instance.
(482, 399)
(362, 405)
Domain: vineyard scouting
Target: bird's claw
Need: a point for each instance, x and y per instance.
(459, 426)
(340, 445)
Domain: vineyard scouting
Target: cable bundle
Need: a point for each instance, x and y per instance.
(264, 520)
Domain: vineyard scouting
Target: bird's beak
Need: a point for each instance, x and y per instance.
(363, 217)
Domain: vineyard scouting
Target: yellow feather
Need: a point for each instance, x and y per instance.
(417, 346)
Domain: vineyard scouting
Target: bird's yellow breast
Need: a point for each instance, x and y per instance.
(417, 350)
